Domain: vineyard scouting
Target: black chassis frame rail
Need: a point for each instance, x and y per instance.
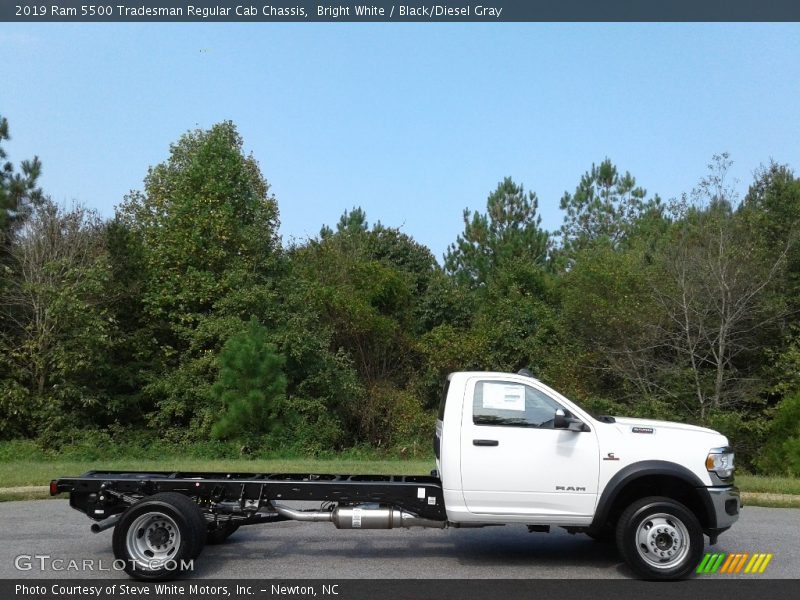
(101, 494)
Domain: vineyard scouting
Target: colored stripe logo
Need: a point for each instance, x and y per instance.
(738, 562)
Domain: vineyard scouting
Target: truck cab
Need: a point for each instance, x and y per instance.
(510, 449)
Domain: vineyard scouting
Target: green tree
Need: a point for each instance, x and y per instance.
(19, 192)
(206, 224)
(367, 287)
(771, 209)
(608, 314)
(365, 302)
(720, 296)
(321, 379)
(133, 356)
(58, 332)
(251, 387)
(678, 327)
(351, 222)
(510, 229)
(513, 324)
(781, 452)
(603, 206)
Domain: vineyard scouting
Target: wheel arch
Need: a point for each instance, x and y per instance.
(654, 478)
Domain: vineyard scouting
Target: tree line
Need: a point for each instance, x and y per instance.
(184, 317)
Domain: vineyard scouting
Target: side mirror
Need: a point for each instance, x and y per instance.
(562, 421)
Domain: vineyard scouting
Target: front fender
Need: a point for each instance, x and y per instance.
(646, 468)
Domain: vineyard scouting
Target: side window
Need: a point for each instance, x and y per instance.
(512, 404)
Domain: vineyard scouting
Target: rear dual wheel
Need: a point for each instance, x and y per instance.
(159, 537)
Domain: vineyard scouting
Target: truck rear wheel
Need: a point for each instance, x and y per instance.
(660, 538)
(157, 537)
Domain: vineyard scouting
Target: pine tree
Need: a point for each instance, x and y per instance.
(605, 204)
(251, 386)
(509, 231)
(18, 191)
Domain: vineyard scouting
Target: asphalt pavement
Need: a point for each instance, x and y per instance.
(51, 528)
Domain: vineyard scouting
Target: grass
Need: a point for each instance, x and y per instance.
(768, 484)
(772, 491)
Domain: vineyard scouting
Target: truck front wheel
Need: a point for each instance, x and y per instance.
(159, 536)
(660, 538)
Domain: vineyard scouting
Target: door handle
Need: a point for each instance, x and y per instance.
(485, 443)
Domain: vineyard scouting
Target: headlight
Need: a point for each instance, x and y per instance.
(720, 461)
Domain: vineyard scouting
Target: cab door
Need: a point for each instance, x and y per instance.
(513, 460)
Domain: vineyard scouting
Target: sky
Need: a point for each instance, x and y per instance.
(412, 122)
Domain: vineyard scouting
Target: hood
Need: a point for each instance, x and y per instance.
(628, 424)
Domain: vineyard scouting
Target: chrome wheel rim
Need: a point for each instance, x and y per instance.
(153, 539)
(662, 540)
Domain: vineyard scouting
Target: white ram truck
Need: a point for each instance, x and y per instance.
(509, 450)
(512, 450)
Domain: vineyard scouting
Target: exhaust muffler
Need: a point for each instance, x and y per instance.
(364, 516)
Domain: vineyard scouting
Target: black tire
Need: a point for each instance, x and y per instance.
(660, 539)
(218, 535)
(157, 536)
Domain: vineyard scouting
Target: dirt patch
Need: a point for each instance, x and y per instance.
(26, 489)
(769, 499)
